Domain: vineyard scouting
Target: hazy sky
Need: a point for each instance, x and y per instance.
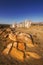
(18, 10)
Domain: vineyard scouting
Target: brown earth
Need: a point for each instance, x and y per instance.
(33, 52)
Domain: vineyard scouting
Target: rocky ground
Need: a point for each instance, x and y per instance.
(23, 47)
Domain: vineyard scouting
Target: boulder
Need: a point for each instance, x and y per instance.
(17, 54)
(15, 44)
(12, 37)
(7, 49)
(21, 46)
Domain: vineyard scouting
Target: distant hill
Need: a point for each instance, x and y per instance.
(4, 25)
(37, 23)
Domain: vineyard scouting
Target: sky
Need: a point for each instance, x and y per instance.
(18, 10)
